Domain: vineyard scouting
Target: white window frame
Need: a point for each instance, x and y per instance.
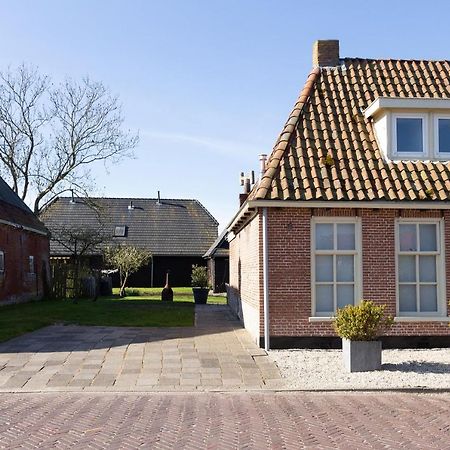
(2, 262)
(437, 153)
(357, 254)
(440, 267)
(413, 155)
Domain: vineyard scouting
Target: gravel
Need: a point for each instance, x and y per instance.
(324, 369)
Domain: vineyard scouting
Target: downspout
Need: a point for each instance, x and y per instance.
(265, 279)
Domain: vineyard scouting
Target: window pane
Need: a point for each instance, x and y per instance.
(324, 299)
(427, 268)
(407, 294)
(408, 241)
(444, 135)
(407, 268)
(345, 267)
(427, 234)
(324, 236)
(345, 295)
(409, 135)
(324, 268)
(428, 298)
(346, 236)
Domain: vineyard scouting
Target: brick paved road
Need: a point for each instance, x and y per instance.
(216, 354)
(224, 421)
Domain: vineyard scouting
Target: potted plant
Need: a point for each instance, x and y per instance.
(200, 284)
(359, 326)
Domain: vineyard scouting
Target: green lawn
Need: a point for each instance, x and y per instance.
(180, 294)
(142, 309)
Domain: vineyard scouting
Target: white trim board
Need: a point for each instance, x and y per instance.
(407, 103)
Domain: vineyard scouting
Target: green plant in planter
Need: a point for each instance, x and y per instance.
(363, 322)
(199, 276)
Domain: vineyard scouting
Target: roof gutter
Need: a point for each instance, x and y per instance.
(388, 204)
(23, 227)
(248, 209)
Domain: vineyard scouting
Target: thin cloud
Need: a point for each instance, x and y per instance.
(222, 147)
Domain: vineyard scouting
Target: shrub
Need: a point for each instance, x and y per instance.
(199, 276)
(363, 322)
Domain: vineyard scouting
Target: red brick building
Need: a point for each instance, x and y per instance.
(24, 250)
(353, 203)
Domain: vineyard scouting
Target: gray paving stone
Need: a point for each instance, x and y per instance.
(217, 353)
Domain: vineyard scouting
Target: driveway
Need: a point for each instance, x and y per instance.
(224, 421)
(216, 354)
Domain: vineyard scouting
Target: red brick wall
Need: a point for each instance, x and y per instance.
(289, 231)
(17, 284)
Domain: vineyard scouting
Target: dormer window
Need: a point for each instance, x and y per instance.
(411, 128)
(409, 132)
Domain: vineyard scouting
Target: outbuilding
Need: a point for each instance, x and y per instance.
(24, 251)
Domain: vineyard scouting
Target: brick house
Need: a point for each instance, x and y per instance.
(353, 203)
(24, 250)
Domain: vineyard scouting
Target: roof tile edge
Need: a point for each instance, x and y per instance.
(282, 142)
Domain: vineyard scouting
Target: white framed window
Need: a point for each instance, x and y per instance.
(31, 264)
(409, 135)
(420, 267)
(2, 262)
(441, 126)
(336, 264)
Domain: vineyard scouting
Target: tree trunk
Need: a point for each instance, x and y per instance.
(122, 286)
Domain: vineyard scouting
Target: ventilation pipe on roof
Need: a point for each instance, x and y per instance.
(262, 164)
(158, 202)
(72, 200)
(130, 206)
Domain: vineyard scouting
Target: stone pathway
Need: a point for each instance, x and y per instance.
(224, 421)
(216, 354)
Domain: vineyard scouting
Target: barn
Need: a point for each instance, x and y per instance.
(177, 232)
(24, 251)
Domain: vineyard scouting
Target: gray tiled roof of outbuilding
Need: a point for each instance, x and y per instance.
(177, 227)
(14, 210)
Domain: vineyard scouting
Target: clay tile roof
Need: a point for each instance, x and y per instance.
(328, 150)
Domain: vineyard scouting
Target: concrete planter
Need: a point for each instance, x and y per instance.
(200, 295)
(361, 356)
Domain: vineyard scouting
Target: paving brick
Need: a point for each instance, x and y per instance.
(216, 353)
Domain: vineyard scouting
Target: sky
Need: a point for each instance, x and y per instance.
(208, 84)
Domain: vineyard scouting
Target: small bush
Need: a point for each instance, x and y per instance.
(363, 322)
(199, 276)
(130, 292)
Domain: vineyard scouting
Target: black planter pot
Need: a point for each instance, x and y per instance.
(200, 295)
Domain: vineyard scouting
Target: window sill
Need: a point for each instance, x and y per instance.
(321, 319)
(421, 319)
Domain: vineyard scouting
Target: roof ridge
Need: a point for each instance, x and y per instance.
(282, 141)
(346, 58)
(130, 198)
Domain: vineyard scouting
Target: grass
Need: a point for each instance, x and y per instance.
(142, 309)
(180, 294)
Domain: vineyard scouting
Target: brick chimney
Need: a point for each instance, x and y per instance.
(326, 53)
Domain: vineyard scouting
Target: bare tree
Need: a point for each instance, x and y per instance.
(51, 135)
(79, 242)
